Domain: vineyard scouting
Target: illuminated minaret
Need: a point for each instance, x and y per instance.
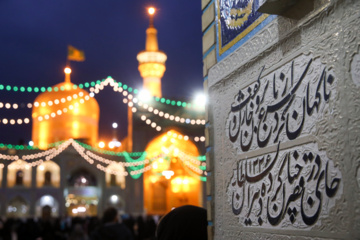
(152, 60)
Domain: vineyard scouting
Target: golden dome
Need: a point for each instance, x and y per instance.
(169, 176)
(65, 112)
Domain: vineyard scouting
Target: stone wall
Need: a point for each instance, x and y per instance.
(283, 130)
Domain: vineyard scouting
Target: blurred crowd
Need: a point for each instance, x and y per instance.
(67, 228)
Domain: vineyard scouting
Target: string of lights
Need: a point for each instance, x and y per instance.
(71, 107)
(171, 117)
(136, 167)
(94, 90)
(127, 155)
(29, 89)
(18, 121)
(46, 89)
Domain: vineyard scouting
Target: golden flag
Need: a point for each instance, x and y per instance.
(75, 54)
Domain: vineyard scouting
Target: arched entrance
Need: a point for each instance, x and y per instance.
(19, 174)
(48, 206)
(18, 207)
(48, 175)
(81, 194)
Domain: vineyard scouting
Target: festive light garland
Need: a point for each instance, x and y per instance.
(170, 116)
(130, 100)
(59, 112)
(44, 89)
(136, 166)
(29, 89)
(100, 86)
(18, 121)
(127, 155)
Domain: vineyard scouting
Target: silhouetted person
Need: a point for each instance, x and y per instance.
(111, 229)
(78, 232)
(183, 223)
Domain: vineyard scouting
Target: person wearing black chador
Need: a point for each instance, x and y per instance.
(183, 223)
(111, 229)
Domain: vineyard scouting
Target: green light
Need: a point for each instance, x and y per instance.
(29, 89)
(15, 88)
(157, 99)
(184, 104)
(178, 103)
(168, 101)
(119, 84)
(86, 85)
(130, 89)
(125, 87)
(98, 82)
(62, 88)
(56, 89)
(1, 87)
(162, 100)
(43, 89)
(81, 85)
(2, 145)
(49, 89)
(74, 86)
(92, 84)
(8, 87)
(189, 105)
(136, 91)
(36, 89)
(173, 102)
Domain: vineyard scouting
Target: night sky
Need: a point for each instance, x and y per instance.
(33, 50)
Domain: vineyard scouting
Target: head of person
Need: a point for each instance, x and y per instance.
(110, 215)
(183, 223)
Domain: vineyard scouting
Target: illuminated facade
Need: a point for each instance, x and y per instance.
(77, 178)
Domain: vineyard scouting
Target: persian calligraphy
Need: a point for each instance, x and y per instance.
(280, 106)
(294, 187)
(290, 188)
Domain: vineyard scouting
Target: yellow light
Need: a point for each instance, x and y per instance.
(41, 168)
(67, 70)
(101, 144)
(151, 10)
(75, 125)
(176, 152)
(153, 179)
(165, 150)
(155, 166)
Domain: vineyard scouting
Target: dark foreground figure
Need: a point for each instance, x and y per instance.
(111, 229)
(183, 223)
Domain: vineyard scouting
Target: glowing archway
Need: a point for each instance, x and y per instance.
(48, 174)
(170, 183)
(115, 180)
(17, 207)
(47, 201)
(19, 174)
